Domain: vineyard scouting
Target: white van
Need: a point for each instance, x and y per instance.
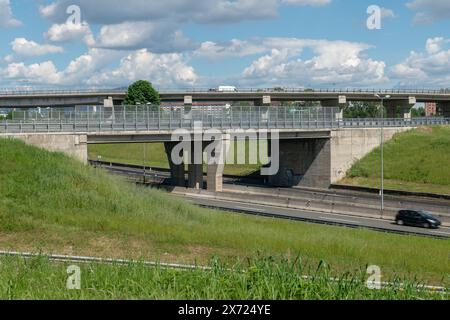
(227, 89)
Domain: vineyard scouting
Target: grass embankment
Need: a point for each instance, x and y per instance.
(418, 160)
(259, 279)
(154, 155)
(51, 203)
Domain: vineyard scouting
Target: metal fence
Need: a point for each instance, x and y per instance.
(150, 118)
(12, 92)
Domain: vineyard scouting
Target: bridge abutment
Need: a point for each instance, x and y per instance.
(351, 145)
(72, 145)
(303, 162)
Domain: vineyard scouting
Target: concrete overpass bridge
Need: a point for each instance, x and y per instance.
(261, 97)
(315, 147)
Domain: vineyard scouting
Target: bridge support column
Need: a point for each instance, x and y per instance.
(303, 162)
(176, 170)
(188, 104)
(444, 108)
(266, 101)
(195, 176)
(216, 167)
(195, 166)
(108, 108)
(404, 105)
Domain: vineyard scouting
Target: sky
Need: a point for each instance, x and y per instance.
(208, 43)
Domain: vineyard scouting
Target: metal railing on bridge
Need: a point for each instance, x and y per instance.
(150, 118)
(12, 92)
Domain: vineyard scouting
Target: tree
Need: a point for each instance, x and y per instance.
(142, 92)
(362, 110)
(418, 112)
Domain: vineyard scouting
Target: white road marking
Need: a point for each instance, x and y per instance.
(339, 220)
(439, 232)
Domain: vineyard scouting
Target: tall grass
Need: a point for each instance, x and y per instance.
(256, 279)
(420, 156)
(52, 203)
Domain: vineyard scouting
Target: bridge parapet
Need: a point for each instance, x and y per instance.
(149, 119)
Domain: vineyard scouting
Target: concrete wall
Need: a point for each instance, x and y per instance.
(303, 162)
(351, 145)
(73, 145)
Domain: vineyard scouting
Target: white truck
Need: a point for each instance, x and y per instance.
(226, 89)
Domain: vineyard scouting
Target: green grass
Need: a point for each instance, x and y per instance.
(153, 155)
(257, 279)
(53, 204)
(418, 160)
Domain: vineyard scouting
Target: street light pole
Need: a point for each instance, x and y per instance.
(382, 98)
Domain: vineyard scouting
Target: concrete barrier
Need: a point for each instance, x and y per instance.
(73, 145)
(313, 205)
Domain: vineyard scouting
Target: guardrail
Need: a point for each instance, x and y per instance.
(150, 119)
(12, 92)
(7, 92)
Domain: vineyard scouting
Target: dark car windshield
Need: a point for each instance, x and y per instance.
(427, 215)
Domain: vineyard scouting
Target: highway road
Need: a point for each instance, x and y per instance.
(351, 221)
(318, 218)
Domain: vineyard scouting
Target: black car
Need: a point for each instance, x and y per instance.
(417, 219)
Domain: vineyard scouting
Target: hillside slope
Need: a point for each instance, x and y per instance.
(418, 160)
(53, 204)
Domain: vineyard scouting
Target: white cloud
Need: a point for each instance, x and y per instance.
(211, 11)
(155, 25)
(306, 2)
(27, 48)
(229, 49)
(165, 70)
(7, 19)
(282, 62)
(94, 69)
(44, 72)
(434, 45)
(67, 32)
(387, 13)
(430, 11)
(429, 68)
(160, 37)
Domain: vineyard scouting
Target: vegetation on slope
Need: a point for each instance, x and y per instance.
(418, 160)
(51, 203)
(257, 279)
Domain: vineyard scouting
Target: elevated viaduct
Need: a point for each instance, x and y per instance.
(403, 99)
(313, 148)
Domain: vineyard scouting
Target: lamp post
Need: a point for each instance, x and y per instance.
(382, 98)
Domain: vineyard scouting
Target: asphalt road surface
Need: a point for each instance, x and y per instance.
(319, 217)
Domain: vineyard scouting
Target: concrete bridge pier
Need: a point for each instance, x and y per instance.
(188, 101)
(195, 166)
(108, 108)
(404, 105)
(216, 166)
(303, 162)
(195, 176)
(266, 101)
(176, 170)
(444, 108)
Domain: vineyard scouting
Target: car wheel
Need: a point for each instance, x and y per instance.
(427, 225)
(400, 222)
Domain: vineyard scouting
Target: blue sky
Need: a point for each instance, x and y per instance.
(247, 43)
